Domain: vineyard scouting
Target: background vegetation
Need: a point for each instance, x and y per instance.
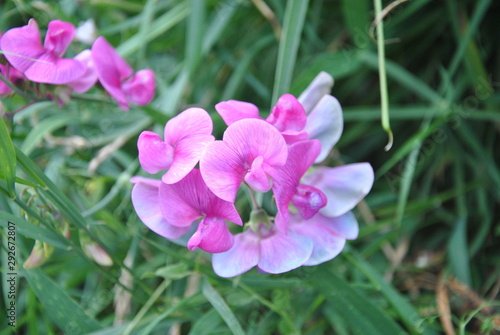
(427, 260)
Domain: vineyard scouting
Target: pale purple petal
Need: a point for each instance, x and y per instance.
(89, 78)
(140, 89)
(319, 87)
(344, 186)
(288, 114)
(223, 170)
(325, 123)
(145, 199)
(22, 46)
(282, 252)
(154, 154)
(234, 110)
(49, 69)
(191, 122)
(301, 156)
(189, 199)
(243, 256)
(212, 236)
(59, 37)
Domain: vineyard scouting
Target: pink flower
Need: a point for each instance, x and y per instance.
(315, 115)
(11, 75)
(119, 79)
(89, 77)
(185, 139)
(42, 64)
(249, 151)
(269, 249)
(190, 199)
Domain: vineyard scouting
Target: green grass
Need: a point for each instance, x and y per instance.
(430, 224)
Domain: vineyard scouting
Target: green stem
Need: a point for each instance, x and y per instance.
(382, 75)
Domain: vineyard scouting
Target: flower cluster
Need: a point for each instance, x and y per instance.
(275, 154)
(29, 60)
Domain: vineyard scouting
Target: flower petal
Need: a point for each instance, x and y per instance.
(308, 200)
(22, 46)
(344, 186)
(89, 78)
(140, 89)
(288, 114)
(145, 199)
(301, 156)
(154, 154)
(282, 252)
(325, 123)
(256, 177)
(319, 87)
(212, 236)
(234, 110)
(59, 37)
(326, 234)
(49, 69)
(191, 122)
(243, 256)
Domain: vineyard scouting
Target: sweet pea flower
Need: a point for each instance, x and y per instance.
(42, 63)
(185, 139)
(190, 199)
(250, 151)
(118, 78)
(11, 75)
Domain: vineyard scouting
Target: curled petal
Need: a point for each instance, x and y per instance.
(256, 177)
(191, 122)
(233, 110)
(154, 154)
(282, 252)
(212, 236)
(140, 89)
(59, 36)
(89, 77)
(344, 186)
(319, 87)
(50, 69)
(308, 200)
(288, 114)
(146, 202)
(243, 256)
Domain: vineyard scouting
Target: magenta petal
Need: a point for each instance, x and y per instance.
(189, 199)
(89, 78)
(186, 155)
(293, 136)
(22, 46)
(212, 236)
(154, 154)
(140, 89)
(59, 36)
(191, 122)
(288, 114)
(325, 123)
(111, 70)
(256, 177)
(308, 200)
(301, 156)
(319, 87)
(145, 199)
(243, 256)
(223, 170)
(344, 186)
(50, 69)
(234, 110)
(327, 243)
(282, 252)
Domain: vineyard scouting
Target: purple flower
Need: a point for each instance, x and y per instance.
(119, 79)
(249, 151)
(185, 139)
(42, 63)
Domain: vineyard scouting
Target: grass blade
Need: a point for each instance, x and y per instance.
(8, 160)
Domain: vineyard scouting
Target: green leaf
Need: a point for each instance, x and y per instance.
(8, 158)
(222, 308)
(65, 312)
(295, 15)
(359, 313)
